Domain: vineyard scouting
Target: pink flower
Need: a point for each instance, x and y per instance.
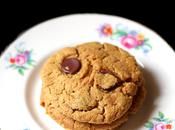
(160, 126)
(129, 41)
(20, 59)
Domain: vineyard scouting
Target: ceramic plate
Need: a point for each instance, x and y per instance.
(21, 62)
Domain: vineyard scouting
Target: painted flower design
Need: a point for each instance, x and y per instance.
(20, 59)
(160, 123)
(105, 30)
(127, 37)
(129, 41)
(160, 126)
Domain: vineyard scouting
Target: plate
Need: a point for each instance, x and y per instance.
(20, 64)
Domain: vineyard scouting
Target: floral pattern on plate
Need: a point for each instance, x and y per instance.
(21, 59)
(129, 38)
(160, 123)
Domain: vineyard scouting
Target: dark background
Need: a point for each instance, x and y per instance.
(19, 19)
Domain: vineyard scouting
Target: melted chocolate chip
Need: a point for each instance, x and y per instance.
(105, 71)
(111, 88)
(70, 65)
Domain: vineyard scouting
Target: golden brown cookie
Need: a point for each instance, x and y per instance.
(92, 83)
(71, 124)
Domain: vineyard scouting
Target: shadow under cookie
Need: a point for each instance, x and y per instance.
(143, 115)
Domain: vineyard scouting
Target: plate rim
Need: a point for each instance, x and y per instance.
(21, 34)
(45, 22)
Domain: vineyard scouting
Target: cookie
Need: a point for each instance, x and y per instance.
(71, 124)
(92, 83)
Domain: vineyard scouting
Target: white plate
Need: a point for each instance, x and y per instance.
(21, 62)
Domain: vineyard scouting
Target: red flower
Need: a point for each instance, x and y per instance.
(12, 60)
(168, 126)
(106, 30)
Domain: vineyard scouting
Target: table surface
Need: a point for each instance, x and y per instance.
(15, 23)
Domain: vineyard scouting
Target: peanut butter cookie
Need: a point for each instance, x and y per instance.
(92, 83)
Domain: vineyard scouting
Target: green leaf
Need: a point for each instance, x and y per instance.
(19, 51)
(16, 67)
(161, 115)
(31, 51)
(115, 37)
(146, 39)
(167, 120)
(23, 67)
(149, 124)
(12, 65)
(148, 45)
(21, 71)
(137, 47)
(30, 63)
(157, 119)
(121, 32)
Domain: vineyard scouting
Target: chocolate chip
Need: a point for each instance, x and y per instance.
(70, 65)
(109, 89)
(113, 87)
(104, 71)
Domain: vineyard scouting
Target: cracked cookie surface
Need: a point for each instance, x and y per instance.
(71, 124)
(100, 91)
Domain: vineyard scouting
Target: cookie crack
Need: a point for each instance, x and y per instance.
(89, 109)
(78, 54)
(120, 83)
